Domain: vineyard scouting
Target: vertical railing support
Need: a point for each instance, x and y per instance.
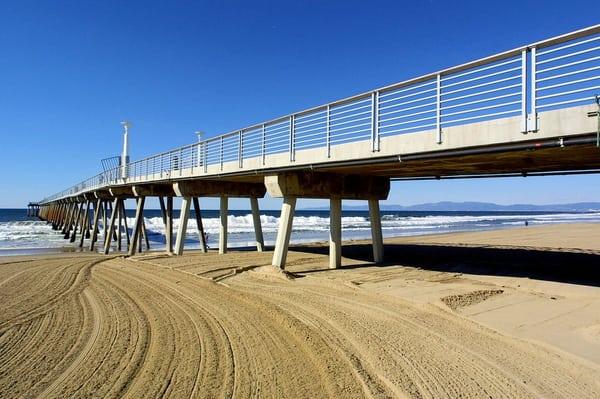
(204, 156)
(240, 149)
(375, 121)
(221, 153)
(262, 144)
(328, 131)
(292, 139)
(533, 124)
(524, 91)
(438, 109)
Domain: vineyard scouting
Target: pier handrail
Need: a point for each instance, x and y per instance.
(550, 74)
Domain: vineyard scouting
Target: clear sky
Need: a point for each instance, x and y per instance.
(70, 71)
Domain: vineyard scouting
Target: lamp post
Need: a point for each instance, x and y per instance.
(125, 156)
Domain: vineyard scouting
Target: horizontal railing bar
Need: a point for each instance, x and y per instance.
(468, 111)
(566, 102)
(552, 50)
(539, 71)
(567, 83)
(339, 126)
(408, 102)
(394, 92)
(560, 57)
(406, 96)
(309, 140)
(481, 85)
(333, 120)
(332, 113)
(408, 109)
(480, 116)
(341, 129)
(354, 132)
(480, 101)
(518, 68)
(382, 120)
(562, 75)
(311, 117)
(407, 129)
(303, 133)
(410, 121)
(450, 77)
(564, 93)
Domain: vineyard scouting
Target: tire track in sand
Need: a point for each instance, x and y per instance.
(97, 317)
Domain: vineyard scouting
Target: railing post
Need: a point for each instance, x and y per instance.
(438, 109)
(533, 124)
(240, 149)
(204, 156)
(292, 139)
(524, 91)
(221, 153)
(328, 131)
(375, 121)
(262, 144)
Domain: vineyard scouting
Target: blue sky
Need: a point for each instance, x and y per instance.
(71, 70)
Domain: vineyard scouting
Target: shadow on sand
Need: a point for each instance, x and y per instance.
(551, 265)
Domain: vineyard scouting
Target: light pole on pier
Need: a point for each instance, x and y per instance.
(125, 156)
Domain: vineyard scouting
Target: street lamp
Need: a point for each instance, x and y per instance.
(125, 156)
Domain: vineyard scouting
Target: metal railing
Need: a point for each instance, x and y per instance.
(555, 73)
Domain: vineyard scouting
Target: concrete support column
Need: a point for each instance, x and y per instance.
(85, 224)
(183, 221)
(376, 233)
(200, 226)
(260, 242)
(111, 227)
(137, 225)
(120, 224)
(284, 232)
(94, 236)
(335, 232)
(169, 225)
(223, 225)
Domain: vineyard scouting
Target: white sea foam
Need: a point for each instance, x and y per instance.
(38, 234)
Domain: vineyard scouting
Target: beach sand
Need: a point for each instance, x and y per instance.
(508, 313)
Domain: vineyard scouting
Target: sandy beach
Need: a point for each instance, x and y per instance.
(507, 313)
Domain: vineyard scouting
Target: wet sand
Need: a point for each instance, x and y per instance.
(510, 313)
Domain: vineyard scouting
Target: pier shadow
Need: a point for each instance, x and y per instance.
(543, 264)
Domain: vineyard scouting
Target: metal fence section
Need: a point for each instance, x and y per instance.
(551, 74)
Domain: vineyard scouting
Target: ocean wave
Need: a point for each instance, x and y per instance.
(27, 234)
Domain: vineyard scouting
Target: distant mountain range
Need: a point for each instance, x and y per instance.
(448, 206)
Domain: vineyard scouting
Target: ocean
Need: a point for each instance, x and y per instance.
(20, 234)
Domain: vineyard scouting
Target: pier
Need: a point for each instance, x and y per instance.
(533, 110)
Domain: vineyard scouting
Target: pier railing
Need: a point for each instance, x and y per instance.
(556, 73)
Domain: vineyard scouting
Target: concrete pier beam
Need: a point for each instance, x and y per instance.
(336, 187)
(284, 232)
(376, 233)
(258, 233)
(213, 188)
(335, 232)
(223, 213)
(183, 221)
